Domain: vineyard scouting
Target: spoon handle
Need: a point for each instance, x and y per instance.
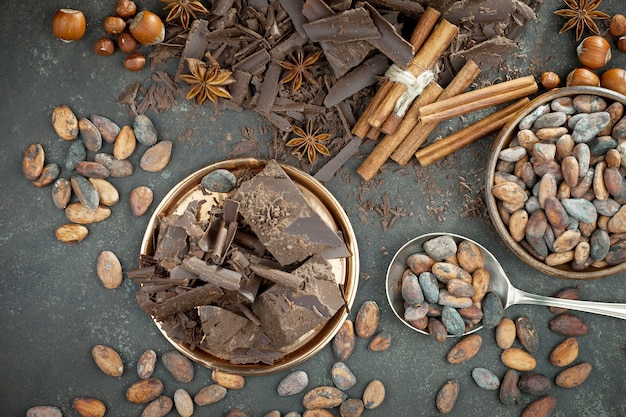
(605, 309)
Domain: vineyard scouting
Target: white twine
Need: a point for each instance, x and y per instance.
(414, 86)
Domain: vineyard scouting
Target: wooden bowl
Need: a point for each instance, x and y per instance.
(507, 133)
(346, 270)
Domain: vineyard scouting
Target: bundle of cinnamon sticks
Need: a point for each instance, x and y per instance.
(405, 132)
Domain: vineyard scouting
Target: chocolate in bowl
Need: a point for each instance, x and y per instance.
(507, 134)
(344, 269)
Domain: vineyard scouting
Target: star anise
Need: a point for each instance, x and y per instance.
(309, 142)
(183, 10)
(207, 81)
(299, 68)
(581, 14)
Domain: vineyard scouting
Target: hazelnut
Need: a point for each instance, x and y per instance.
(614, 79)
(594, 52)
(550, 80)
(126, 42)
(135, 61)
(68, 24)
(147, 28)
(621, 43)
(114, 25)
(104, 47)
(617, 25)
(125, 8)
(582, 76)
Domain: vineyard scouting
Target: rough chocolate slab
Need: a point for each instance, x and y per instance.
(481, 12)
(486, 54)
(294, 10)
(342, 57)
(195, 46)
(239, 90)
(316, 9)
(269, 88)
(320, 292)
(348, 26)
(220, 325)
(410, 8)
(171, 245)
(391, 43)
(357, 79)
(282, 219)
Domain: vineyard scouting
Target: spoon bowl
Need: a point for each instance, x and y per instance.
(499, 284)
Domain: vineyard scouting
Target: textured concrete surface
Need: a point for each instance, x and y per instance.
(53, 308)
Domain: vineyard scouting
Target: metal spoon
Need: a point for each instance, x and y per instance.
(499, 284)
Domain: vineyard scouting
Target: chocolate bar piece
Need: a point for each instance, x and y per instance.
(282, 219)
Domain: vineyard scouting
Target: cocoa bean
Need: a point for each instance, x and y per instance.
(567, 324)
(542, 407)
(44, 411)
(90, 134)
(380, 342)
(574, 375)
(324, 397)
(109, 270)
(140, 199)
(527, 333)
(480, 282)
(447, 396)
(437, 330)
(570, 293)
(485, 379)
(78, 213)
(108, 360)
(183, 403)
(510, 393)
(108, 129)
(453, 321)
(344, 341)
(367, 319)
(470, 256)
(460, 288)
(374, 394)
(411, 289)
(517, 224)
(505, 333)
(71, 233)
(178, 365)
(210, 395)
(146, 364)
(107, 193)
(33, 161)
(352, 407)
(342, 376)
(144, 129)
(125, 143)
(117, 168)
(445, 271)
(228, 380)
(89, 407)
(85, 191)
(61, 193)
(294, 383)
(144, 391)
(219, 181)
(465, 349)
(64, 122)
(492, 310)
(49, 173)
(518, 359)
(159, 407)
(429, 286)
(534, 384)
(156, 157)
(92, 169)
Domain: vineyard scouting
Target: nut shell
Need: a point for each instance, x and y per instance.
(69, 24)
(147, 28)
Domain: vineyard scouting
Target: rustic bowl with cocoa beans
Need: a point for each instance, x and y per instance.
(556, 183)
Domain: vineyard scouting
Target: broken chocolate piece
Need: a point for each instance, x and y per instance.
(220, 325)
(269, 89)
(222, 277)
(349, 26)
(204, 294)
(282, 219)
(195, 45)
(356, 80)
(391, 43)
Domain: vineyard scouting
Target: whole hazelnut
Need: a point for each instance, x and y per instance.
(125, 8)
(147, 28)
(594, 52)
(621, 43)
(104, 47)
(582, 76)
(550, 80)
(126, 42)
(114, 25)
(68, 24)
(617, 25)
(614, 79)
(135, 61)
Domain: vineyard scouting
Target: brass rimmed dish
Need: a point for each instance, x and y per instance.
(346, 270)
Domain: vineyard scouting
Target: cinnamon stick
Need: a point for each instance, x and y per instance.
(424, 60)
(414, 131)
(469, 134)
(479, 99)
(424, 26)
(384, 149)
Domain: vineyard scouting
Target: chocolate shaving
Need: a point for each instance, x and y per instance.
(194, 47)
(356, 80)
(349, 26)
(391, 43)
